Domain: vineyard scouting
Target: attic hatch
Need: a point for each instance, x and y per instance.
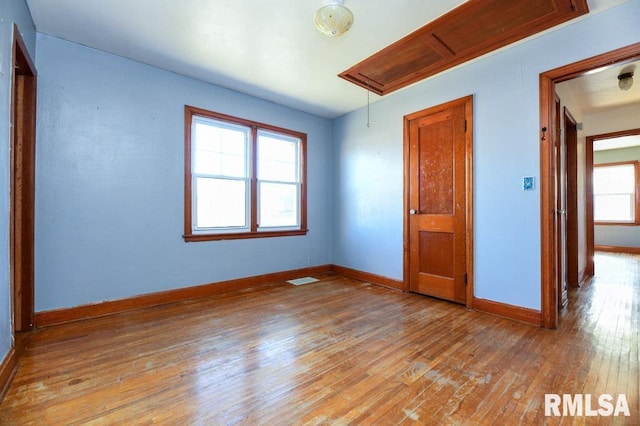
(467, 32)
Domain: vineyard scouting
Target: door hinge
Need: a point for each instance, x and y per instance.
(465, 278)
(465, 125)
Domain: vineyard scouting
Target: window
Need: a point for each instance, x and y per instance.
(242, 179)
(616, 193)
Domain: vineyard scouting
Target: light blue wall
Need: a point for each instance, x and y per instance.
(110, 181)
(619, 236)
(11, 11)
(368, 205)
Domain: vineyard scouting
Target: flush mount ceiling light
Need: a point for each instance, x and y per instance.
(625, 81)
(333, 19)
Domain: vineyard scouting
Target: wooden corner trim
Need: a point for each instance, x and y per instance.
(78, 313)
(369, 277)
(518, 313)
(618, 249)
(25, 58)
(7, 371)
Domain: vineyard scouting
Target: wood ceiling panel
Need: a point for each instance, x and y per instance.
(403, 62)
(471, 30)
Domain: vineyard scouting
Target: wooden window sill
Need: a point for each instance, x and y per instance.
(192, 238)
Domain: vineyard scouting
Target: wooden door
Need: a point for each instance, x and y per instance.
(560, 225)
(437, 188)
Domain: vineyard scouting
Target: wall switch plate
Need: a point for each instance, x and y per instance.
(527, 183)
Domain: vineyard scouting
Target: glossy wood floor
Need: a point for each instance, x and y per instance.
(334, 352)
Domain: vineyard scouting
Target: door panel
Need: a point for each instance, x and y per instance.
(435, 151)
(437, 251)
(438, 150)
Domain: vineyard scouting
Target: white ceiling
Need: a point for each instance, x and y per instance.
(269, 49)
(616, 143)
(599, 91)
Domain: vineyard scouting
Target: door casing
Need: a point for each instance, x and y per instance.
(590, 222)
(560, 174)
(571, 143)
(548, 130)
(22, 185)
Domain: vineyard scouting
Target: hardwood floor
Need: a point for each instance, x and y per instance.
(338, 351)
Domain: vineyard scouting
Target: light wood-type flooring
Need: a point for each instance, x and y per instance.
(338, 351)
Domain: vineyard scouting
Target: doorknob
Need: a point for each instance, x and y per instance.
(412, 211)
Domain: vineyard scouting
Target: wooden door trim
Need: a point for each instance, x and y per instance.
(467, 101)
(560, 183)
(469, 208)
(590, 269)
(573, 279)
(548, 81)
(22, 210)
(590, 221)
(564, 174)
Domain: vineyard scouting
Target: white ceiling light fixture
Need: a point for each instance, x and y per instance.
(625, 80)
(333, 19)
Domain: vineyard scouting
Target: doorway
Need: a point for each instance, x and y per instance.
(611, 141)
(548, 175)
(22, 185)
(438, 200)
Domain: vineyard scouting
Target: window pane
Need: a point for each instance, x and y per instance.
(613, 208)
(277, 158)
(220, 203)
(278, 205)
(613, 179)
(220, 150)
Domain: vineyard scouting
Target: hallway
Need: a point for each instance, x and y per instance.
(599, 331)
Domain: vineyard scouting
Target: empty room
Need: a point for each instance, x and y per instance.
(319, 212)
